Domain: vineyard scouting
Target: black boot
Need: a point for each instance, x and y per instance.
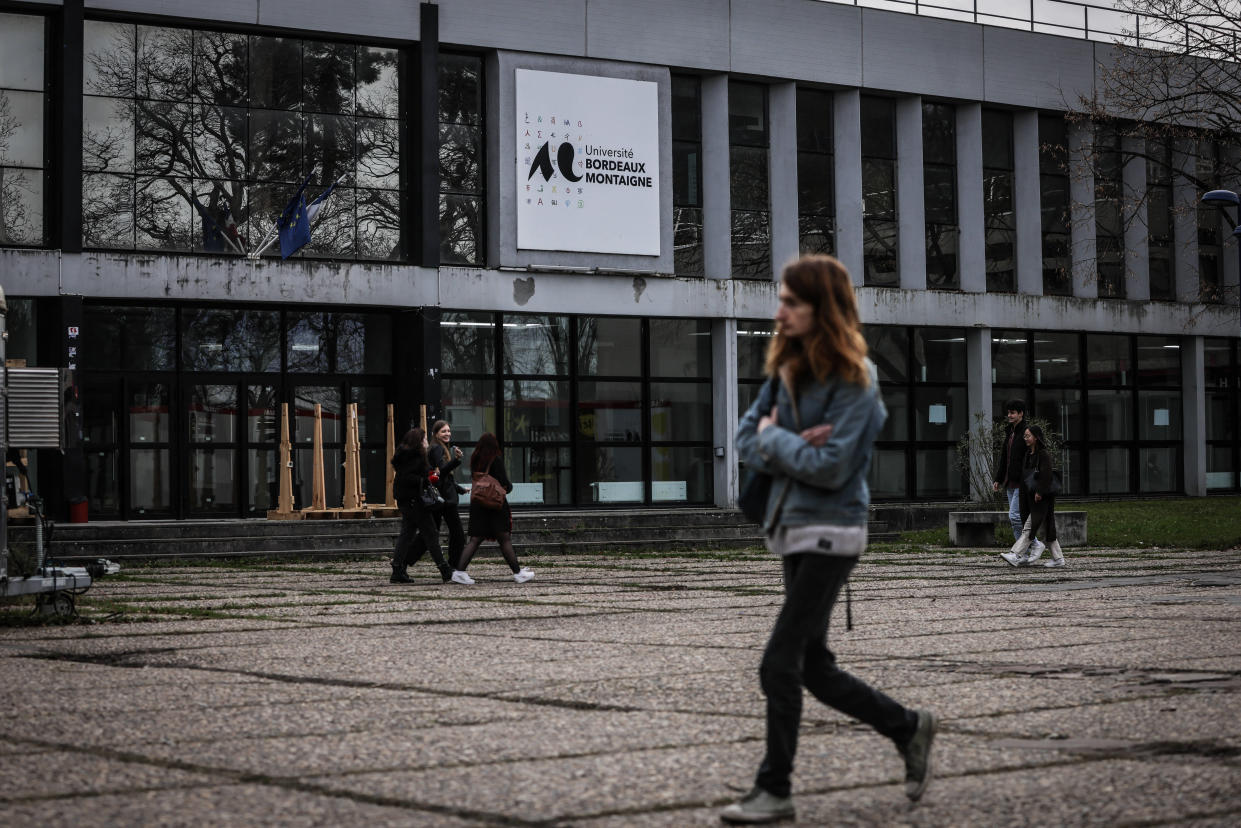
(446, 573)
(399, 576)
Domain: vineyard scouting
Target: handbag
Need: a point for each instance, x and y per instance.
(431, 498)
(1031, 482)
(756, 485)
(486, 491)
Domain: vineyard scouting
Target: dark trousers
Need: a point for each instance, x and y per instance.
(419, 523)
(797, 656)
(456, 535)
(1042, 515)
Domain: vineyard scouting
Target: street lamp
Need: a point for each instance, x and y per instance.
(1223, 199)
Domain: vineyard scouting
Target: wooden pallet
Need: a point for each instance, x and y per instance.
(276, 514)
(336, 514)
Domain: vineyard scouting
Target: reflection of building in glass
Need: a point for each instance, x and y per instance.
(1000, 249)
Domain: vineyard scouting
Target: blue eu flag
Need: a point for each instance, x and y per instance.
(294, 223)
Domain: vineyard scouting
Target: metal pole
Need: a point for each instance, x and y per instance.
(4, 434)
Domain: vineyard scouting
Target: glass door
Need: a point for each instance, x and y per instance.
(232, 432)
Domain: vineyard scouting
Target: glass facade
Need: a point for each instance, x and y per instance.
(590, 410)
(999, 215)
(1109, 224)
(922, 377)
(1054, 204)
(181, 406)
(1113, 399)
(1160, 219)
(939, 177)
(879, 253)
(816, 200)
(1210, 235)
(461, 156)
(196, 140)
(749, 143)
(687, 175)
(1222, 358)
(23, 136)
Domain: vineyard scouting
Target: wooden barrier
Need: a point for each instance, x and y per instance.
(284, 505)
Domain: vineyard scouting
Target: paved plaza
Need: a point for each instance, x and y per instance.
(622, 690)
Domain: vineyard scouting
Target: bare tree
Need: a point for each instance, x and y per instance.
(14, 223)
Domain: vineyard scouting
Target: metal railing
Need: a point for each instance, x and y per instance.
(1084, 19)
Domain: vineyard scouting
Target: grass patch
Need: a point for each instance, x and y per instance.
(1180, 523)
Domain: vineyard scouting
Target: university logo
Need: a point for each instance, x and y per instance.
(543, 162)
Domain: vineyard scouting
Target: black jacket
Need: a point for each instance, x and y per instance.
(1008, 464)
(1040, 464)
(411, 469)
(448, 481)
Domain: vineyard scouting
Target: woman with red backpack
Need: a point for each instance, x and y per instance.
(488, 520)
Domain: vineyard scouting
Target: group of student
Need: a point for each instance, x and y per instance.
(421, 467)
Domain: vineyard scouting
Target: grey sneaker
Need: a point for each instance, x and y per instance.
(917, 755)
(758, 807)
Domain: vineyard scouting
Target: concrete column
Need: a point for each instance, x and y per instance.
(847, 147)
(724, 404)
(1133, 205)
(1028, 203)
(717, 220)
(978, 368)
(1184, 222)
(910, 202)
(1194, 415)
(782, 168)
(972, 256)
(1081, 212)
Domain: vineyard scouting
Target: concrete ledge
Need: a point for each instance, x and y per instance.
(978, 528)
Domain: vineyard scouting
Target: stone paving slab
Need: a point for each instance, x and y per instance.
(622, 690)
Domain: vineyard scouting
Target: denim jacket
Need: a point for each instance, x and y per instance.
(816, 485)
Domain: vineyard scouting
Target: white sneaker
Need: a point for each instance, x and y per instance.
(1012, 557)
(460, 577)
(524, 574)
(1054, 562)
(1036, 551)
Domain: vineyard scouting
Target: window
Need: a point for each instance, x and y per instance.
(687, 176)
(461, 154)
(591, 410)
(816, 204)
(879, 230)
(1210, 278)
(1054, 205)
(196, 140)
(748, 145)
(23, 181)
(1223, 392)
(1109, 226)
(1159, 219)
(998, 215)
(922, 377)
(939, 175)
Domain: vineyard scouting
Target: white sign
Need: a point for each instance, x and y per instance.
(587, 163)
(937, 414)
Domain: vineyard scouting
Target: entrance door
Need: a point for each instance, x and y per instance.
(231, 432)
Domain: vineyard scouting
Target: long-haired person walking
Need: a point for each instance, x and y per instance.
(815, 440)
(445, 457)
(487, 523)
(1038, 503)
(411, 479)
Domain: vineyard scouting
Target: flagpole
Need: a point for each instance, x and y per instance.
(274, 233)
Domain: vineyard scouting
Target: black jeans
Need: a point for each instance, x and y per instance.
(417, 521)
(456, 535)
(1042, 515)
(797, 656)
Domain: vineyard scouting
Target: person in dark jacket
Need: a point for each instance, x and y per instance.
(491, 524)
(411, 470)
(1008, 468)
(446, 457)
(1038, 504)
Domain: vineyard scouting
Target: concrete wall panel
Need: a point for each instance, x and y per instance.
(228, 11)
(908, 53)
(689, 33)
(812, 41)
(376, 18)
(553, 26)
(1035, 70)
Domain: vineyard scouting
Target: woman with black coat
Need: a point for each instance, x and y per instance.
(446, 458)
(491, 524)
(412, 468)
(1038, 503)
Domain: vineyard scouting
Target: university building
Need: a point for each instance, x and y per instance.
(561, 221)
